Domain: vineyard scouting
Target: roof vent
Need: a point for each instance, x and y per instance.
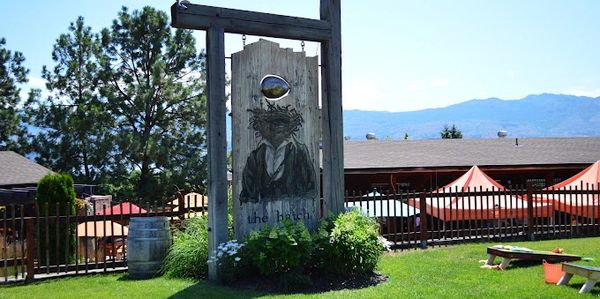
(371, 136)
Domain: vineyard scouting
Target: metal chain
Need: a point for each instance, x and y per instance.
(243, 40)
(302, 45)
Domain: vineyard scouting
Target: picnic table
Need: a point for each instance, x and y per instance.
(591, 273)
(510, 253)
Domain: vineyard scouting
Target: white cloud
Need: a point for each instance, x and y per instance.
(374, 95)
(443, 82)
(37, 82)
(583, 91)
(421, 85)
(414, 86)
(34, 83)
(513, 73)
(363, 94)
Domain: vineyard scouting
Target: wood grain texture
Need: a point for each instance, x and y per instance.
(203, 17)
(333, 135)
(217, 143)
(248, 68)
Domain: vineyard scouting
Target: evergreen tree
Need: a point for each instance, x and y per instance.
(75, 135)
(152, 78)
(56, 197)
(12, 73)
(451, 132)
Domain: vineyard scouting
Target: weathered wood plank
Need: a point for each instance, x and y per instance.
(217, 143)
(202, 17)
(248, 68)
(332, 124)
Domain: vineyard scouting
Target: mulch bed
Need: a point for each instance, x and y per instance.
(319, 284)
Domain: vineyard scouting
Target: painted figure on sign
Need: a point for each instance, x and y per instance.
(280, 167)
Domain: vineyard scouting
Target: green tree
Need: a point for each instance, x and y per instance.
(12, 73)
(153, 80)
(451, 132)
(75, 135)
(56, 196)
(405, 136)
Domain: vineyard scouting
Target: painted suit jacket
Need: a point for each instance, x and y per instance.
(297, 180)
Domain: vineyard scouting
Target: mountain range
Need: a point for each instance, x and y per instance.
(544, 115)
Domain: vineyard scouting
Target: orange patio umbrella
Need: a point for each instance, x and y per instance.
(499, 205)
(586, 205)
(102, 229)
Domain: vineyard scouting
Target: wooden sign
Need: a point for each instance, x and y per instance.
(276, 133)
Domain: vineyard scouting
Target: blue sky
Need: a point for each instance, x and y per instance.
(397, 55)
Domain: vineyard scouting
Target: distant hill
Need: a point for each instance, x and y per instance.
(542, 115)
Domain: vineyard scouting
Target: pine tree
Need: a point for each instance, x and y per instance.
(75, 135)
(451, 132)
(12, 73)
(153, 80)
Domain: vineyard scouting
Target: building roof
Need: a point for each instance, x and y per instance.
(18, 170)
(394, 154)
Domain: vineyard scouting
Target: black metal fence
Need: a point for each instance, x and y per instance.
(32, 242)
(33, 238)
(433, 218)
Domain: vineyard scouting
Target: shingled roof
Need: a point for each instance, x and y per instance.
(386, 154)
(18, 170)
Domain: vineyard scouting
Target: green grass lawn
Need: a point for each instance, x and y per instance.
(445, 272)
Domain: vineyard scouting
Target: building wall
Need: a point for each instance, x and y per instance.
(423, 179)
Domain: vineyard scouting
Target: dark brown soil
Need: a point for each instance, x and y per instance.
(319, 284)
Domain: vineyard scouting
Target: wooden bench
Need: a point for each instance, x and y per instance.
(591, 273)
(510, 255)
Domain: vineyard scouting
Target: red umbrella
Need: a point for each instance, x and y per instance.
(476, 207)
(122, 208)
(585, 205)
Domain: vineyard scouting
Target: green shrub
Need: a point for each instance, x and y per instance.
(188, 256)
(348, 245)
(279, 252)
(228, 258)
(56, 196)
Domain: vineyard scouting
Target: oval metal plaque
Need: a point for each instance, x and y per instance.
(274, 87)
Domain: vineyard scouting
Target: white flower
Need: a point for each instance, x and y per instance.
(386, 244)
(237, 259)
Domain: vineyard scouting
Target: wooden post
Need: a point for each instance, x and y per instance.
(423, 222)
(332, 127)
(29, 226)
(530, 226)
(181, 205)
(327, 30)
(217, 144)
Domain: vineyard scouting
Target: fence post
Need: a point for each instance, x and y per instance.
(423, 220)
(530, 219)
(29, 230)
(181, 205)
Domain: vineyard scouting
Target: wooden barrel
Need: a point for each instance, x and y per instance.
(148, 242)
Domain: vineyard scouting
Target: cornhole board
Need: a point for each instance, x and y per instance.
(591, 273)
(509, 255)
